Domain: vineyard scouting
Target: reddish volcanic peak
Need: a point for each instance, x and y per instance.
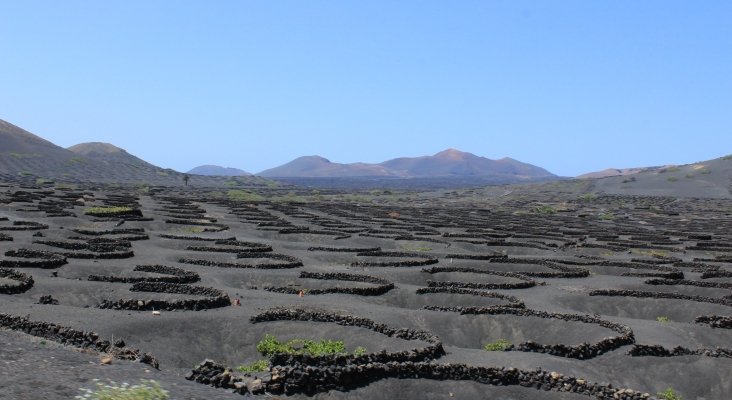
(452, 154)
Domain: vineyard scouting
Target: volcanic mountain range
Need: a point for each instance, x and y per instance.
(23, 154)
(447, 163)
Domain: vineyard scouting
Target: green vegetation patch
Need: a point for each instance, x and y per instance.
(544, 209)
(145, 390)
(607, 216)
(44, 181)
(498, 345)
(588, 197)
(107, 211)
(663, 319)
(669, 394)
(270, 346)
(256, 366)
(243, 195)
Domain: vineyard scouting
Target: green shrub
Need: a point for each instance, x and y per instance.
(669, 394)
(663, 319)
(359, 351)
(544, 209)
(243, 195)
(672, 179)
(705, 172)
(270, 346)
(498, 345)
(256, 366)
(145, 390)
(107, 210)
(607, 216)
(588, 197)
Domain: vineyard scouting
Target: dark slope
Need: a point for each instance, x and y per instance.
(26, 156)
(712, 178)
(606, 173)
(22, 152)
(216, 170)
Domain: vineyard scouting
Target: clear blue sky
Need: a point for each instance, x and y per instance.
(571, 86)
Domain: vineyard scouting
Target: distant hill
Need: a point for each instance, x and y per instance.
(711, 178)
(215, 170)
(453, 162)
(319, 167)
(445, 164)
(614, 172)
(108, 154)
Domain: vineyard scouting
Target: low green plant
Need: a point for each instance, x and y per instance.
(669, 169)
(419, 249)
(191, 229)
(143, 187)
(588, 197)
(705, 172)
(256, 366)
(663, 319)
(544, 209)
(359, 351)
(669, 394)
(498, 345)
(243, 195)
(107, 210)
(607, 216)
(145, 390)
(672, 179)
(270, 346)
